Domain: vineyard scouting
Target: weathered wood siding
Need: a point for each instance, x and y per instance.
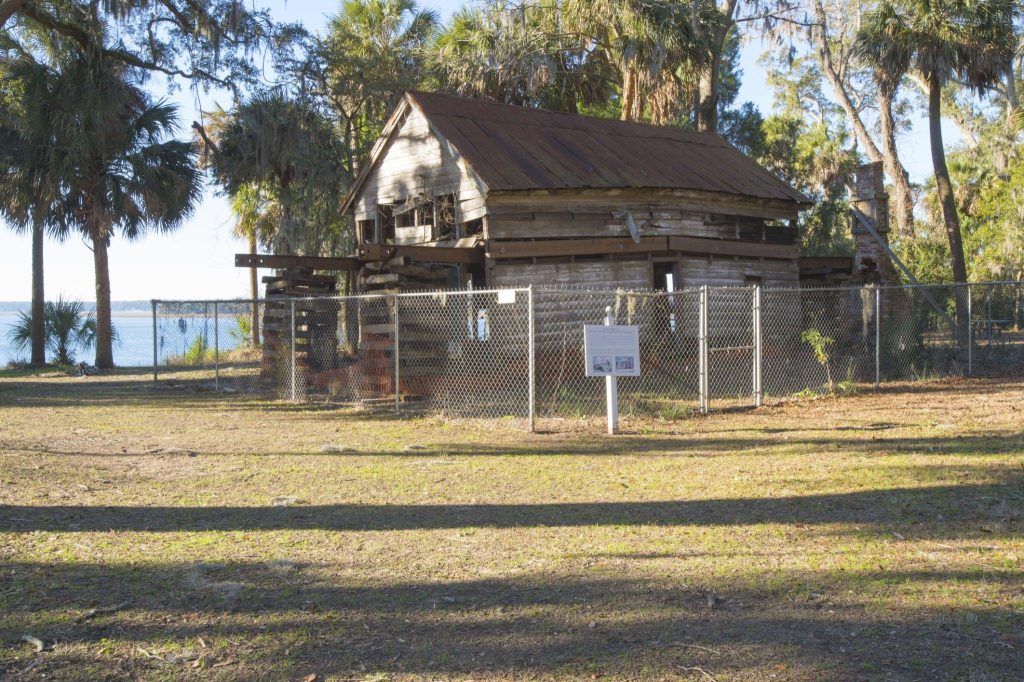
(695, 271)
(603, 274)
(418, 162)
(568, 215)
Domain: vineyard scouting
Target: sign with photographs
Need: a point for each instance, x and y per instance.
(612, 350)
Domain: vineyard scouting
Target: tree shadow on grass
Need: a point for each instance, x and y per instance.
(179, 387)
(954, 504)
(704, 445)
(819, 625)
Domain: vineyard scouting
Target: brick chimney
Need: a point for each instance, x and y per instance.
(870, 262)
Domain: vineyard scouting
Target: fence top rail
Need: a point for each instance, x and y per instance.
(340, 297)
(568, 290)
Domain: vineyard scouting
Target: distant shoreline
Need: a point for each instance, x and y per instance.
(113, 313)
(117, 308)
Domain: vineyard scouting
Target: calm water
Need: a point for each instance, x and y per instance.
(174, 336)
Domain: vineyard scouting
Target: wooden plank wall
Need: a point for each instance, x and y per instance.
(418, 162)
(695, 271)
(603, 274)
(562, 215)
(557, 322)
(588, 216)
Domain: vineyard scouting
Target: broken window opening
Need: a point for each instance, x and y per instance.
(405, 218)
(473, 228)
(444, 217)
(425, 213)
(367, 231)
(385, 224)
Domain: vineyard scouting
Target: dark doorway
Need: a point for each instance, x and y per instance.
(665, 276)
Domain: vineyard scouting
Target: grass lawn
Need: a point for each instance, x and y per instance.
(167, 534)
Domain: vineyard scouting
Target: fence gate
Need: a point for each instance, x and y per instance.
(730, 347)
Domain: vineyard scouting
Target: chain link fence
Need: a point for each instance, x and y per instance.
(519, 352)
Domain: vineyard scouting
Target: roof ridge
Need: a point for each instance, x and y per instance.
(612, 122)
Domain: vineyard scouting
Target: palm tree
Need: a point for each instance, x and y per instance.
(940, 40)
(287, 147)
(257, 216)
(121, 175)
(68, 326)
(29, 181)
(653, 47)
(373, 51)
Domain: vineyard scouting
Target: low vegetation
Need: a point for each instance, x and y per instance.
(169, 533)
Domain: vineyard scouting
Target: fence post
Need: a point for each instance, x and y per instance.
(155, 359)
(532, 350)
(758, 380)
(988, 305)
(292, 373)
(970, 333)
(611, 388)
(702, 352)
(398, 385)
(216, 348)
(878, 336)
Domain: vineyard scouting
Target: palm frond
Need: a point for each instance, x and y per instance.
(20, 333)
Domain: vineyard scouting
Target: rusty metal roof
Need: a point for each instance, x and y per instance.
(518, 148)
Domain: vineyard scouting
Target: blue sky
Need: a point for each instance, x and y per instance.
(197, 261)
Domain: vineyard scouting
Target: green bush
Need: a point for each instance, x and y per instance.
(820, 344)
(67, 326)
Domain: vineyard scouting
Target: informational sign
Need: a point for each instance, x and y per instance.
(506, 296)
(612, 350)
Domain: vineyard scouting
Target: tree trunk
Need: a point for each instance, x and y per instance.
(711, 78)
(707, 109)
(104, 344)
(254, 291)
(829, 68)
(944, 188)
(903, 199)
(38, 329)
(628, 91)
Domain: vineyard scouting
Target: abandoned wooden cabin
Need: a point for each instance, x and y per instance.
(459, 192)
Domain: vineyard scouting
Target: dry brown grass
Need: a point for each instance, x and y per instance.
(876, 536)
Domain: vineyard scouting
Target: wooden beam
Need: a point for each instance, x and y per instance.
(611, 245)
(701, 201)
(246, 260)
(724, 247)
(422, 254)
(574, 247)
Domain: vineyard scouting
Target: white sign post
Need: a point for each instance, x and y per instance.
(611, 351)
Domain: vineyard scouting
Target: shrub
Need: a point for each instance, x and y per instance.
(68, 326)
(820, 344)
